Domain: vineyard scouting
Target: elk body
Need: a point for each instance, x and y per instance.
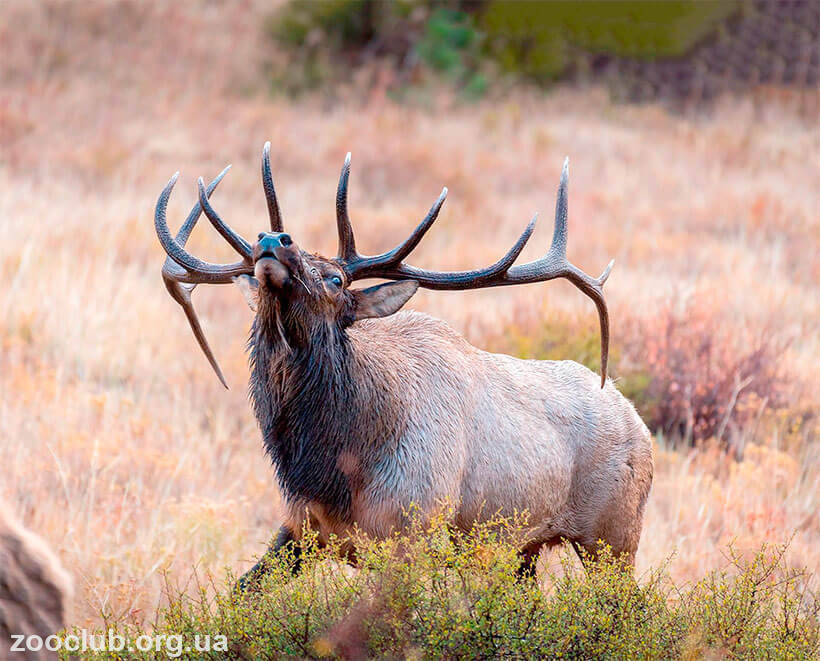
(366, 410)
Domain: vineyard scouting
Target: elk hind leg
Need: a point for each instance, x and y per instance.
(529, 559)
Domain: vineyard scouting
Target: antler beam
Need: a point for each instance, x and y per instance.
(554, 264)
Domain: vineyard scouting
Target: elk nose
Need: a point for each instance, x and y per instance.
(270, 240)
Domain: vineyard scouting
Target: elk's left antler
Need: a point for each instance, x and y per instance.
(390, 265)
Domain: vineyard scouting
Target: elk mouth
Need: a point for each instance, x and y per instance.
(271, 272)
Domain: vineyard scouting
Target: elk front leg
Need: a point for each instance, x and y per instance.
(285, 541)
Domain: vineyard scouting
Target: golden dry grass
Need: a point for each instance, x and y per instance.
(118, 444)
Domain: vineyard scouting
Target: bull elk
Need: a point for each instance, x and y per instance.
(365, 410)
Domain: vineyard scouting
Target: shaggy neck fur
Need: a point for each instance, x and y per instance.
(310, 393)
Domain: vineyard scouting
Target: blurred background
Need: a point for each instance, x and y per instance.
(692, 131)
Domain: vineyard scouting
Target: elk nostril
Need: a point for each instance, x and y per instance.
(285, 240)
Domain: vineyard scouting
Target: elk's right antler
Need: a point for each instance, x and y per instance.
(182, 271)
(554, 264)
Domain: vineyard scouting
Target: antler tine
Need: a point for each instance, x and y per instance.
(170, 268)
(360, 265)
(270, 192)
(237, 242)
(555, 265)
(181, 293)
(356, 265)
(190, 222)
(389, 265)
(347, 242)
(489, 276)
(594, 288)
(559, 234)
(409, 244)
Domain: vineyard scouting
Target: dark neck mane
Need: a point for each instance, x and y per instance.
(316, 407)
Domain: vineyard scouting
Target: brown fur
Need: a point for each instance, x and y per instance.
(34, 588)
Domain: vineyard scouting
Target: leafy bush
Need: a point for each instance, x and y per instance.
(439, 593)
(539, 41)
(692, 377)
(704, 381)
(324, 38)
(451, 45)
(759, 610)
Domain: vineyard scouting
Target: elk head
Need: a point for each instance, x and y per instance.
(305, 292)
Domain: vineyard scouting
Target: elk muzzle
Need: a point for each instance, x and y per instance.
(275, 257)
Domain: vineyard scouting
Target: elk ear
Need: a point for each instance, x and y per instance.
(249, 286)
(383, 300)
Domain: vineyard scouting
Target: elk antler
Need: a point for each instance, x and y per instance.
(554, 264)
(270, 193)
(182, 272)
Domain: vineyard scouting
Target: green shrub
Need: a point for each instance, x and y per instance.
(439, 593)
(447, 35)
(693, 378)
(759, 610)
(467, 41)
(706, 379)
(344, 24)
(326, 37)
(541, 40)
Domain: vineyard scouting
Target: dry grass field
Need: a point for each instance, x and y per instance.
(117, 443)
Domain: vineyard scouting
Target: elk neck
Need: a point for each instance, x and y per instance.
(309, 392)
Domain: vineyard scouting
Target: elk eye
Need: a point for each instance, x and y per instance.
(336, 280)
